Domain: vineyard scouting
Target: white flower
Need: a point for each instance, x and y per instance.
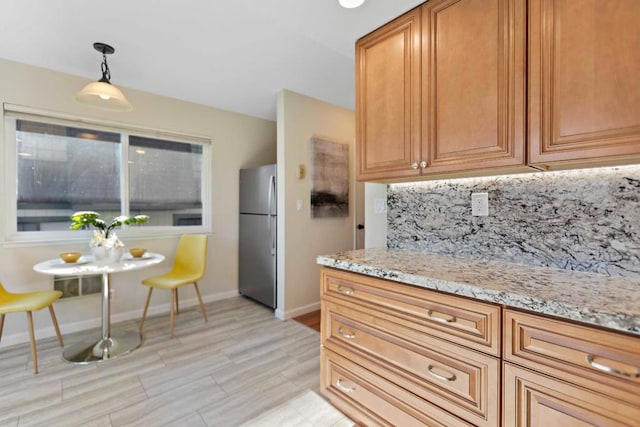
(113, 242)
(98, 239)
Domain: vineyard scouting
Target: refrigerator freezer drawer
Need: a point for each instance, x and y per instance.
(257, 273)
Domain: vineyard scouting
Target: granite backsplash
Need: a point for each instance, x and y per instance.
(583, 220)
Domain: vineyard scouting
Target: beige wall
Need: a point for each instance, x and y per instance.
(238, 141)
(300, 238)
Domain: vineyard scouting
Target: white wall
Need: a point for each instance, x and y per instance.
(375, 230)
(239, 141)
(300, 238)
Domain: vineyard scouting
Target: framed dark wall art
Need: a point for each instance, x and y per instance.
(329, 179)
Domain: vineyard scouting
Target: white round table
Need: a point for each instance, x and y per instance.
(110, 344)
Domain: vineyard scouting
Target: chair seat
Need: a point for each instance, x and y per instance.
(171, 280)
(30, 301)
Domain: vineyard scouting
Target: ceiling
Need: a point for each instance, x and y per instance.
(233, 54)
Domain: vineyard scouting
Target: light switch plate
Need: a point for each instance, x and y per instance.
(380, 206)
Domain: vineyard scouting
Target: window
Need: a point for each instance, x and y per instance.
(165, 176)
(62, 169)
(62, 166)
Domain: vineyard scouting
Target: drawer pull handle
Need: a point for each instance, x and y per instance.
(450, 378)
(343, 388)
(345, 291)
(347, 335)
(440, 319)
(610, 370)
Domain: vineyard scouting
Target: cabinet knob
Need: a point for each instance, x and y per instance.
(423, 164)
(414, 166)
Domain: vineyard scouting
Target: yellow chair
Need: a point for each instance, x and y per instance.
(188, 267)
(29, 302)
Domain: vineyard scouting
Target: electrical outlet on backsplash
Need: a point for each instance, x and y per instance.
(584, 220)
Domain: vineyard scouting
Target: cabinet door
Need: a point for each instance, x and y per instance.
(388, 100)
(532, 399)
(473, 85)
(584, 103)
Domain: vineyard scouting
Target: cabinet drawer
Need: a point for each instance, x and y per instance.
(532, 399)
(455, 378)
(371, 400)
(599, 358)
(471, 323)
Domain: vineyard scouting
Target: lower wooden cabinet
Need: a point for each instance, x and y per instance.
(450, 376)
(538, 400)
(558, 373)
(400, 355)
(596, 359)
(386, 361)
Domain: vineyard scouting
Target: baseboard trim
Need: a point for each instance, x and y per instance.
(68, 328)
(299, 311)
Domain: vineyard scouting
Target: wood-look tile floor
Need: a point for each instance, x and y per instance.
(242, 367)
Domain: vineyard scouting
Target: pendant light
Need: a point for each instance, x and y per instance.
(103, 94)
(350, 4)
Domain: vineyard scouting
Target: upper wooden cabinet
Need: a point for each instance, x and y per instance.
(584, 95)
(388, 99)
(441, 90)
(473, 86)
(444, 89)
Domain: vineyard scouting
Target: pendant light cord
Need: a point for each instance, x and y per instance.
(106, 74)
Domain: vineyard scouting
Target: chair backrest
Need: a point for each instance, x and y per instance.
(191, 256)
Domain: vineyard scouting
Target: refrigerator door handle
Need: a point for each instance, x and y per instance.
(272, 185)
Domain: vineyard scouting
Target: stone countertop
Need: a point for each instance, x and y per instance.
(610, 302)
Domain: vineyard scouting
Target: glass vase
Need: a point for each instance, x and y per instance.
(100, 253)
(115, 254)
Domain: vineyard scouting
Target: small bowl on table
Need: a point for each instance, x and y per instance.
(70, 257)
(137, 252)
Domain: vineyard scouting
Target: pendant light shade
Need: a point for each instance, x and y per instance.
(103, 94)
(350, 4)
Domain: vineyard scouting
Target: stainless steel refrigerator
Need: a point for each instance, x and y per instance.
(257, 254)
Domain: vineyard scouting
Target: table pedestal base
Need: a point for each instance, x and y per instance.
(97, 349)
